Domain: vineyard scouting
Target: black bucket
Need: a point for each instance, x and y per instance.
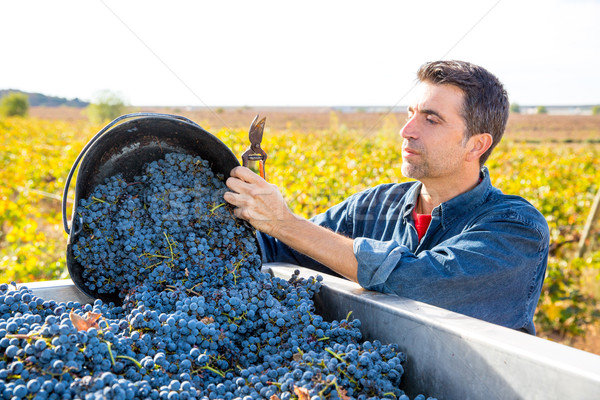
(123, 147)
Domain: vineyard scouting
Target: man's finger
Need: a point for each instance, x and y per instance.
(241, 212)
(230, 197)
(246, 174)
(238, 185)
(237, 212)
(236, 199)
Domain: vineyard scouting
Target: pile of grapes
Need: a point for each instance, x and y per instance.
(199, 319)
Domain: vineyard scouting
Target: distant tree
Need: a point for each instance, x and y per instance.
(14, 105)
(106, 107)
(596, 110)
(515, 108)
(542, 110)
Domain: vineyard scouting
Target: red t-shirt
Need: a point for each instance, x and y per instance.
(422, 222)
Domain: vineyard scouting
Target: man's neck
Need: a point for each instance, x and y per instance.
(436, 191)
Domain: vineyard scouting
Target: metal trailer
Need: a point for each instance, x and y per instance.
(449, 355)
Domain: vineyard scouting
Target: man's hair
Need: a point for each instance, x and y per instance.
(485, 107)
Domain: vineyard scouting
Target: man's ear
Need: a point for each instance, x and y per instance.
(477, 145)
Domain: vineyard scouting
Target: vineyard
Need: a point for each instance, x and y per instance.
(318, 160)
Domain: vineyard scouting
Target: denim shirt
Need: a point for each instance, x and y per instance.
(483, 255)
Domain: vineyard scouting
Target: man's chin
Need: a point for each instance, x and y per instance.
(412, 171)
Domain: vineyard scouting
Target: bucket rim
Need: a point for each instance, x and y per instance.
(111, 125)
(111, 133)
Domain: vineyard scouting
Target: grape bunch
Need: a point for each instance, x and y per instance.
(199, 319)
(169, 224)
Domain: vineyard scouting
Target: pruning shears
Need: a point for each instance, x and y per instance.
(254, 154)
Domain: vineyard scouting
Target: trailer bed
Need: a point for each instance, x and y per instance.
(449, 355)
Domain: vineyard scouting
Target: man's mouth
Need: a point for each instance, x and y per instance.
(409, 152)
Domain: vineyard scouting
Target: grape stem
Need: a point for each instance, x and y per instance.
(347, 376)
(112, 359)
(133, 360)
(212, 210)
(216, 371)
(170, 245)
(335, 355)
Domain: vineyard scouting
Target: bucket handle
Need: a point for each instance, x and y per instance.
(90, 143)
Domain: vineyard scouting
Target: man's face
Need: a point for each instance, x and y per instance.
(433, 145)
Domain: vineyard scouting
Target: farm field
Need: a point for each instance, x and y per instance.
(318, 157)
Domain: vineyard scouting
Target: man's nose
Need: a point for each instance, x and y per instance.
(409, 130)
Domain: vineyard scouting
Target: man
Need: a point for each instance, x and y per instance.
(450, 238)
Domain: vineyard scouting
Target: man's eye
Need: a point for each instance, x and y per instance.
(431, 121)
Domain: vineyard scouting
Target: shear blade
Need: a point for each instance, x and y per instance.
(256, 130)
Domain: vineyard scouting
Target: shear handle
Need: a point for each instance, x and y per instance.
(249, 157)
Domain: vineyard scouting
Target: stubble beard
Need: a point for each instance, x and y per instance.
(414, 171)
(425, 167)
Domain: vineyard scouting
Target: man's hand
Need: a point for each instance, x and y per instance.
(262, 204)
(257, 201)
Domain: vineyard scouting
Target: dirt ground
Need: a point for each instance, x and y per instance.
(590, 342)
(561, 128)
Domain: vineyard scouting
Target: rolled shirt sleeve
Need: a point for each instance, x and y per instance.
(377, 260)
(493, 270)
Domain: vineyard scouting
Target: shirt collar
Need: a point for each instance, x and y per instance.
(412, 195)
(455, 207)
(466, 202)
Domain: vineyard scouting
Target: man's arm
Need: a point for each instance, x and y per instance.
(491, 269)
(262, 204)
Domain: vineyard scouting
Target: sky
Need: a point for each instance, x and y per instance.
(303, 53)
